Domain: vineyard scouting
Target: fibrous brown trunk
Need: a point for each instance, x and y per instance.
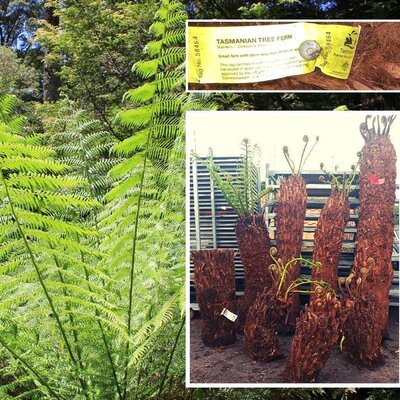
(262, 325)
(374, 248)
(362, 330)
(254, 246)
(214, 278)
(376, 223)
(291, 211)
(317, 331)
(362, 343)
(329, 236)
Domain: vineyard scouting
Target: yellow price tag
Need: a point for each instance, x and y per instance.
(240, 54)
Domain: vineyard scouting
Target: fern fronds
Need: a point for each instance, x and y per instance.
(82, 143)
(39, 210)
(239, 189)
(140, 222)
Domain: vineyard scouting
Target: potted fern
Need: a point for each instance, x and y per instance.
(251, 232)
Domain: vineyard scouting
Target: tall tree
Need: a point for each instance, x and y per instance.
(95, 44)
(16, 77)
(51, 80)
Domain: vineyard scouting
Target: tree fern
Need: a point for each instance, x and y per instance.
(38, 210)
(114, 285)
(144, 221)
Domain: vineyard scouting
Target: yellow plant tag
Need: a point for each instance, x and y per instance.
(240, 54)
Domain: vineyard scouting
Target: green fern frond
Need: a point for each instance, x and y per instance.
(135, 118)
(32, 165)
(146, 335)
(127, 167)
(123, 189)
(153, 48)
(82, 283)
(146, 69)
(174, 37)
(157, 29)
(82, 143)
(57, 241)
(170, 79)
(141, 94)
(51, 203)
(7, 106)
(172, 57)
(43, 222)
(238, 189)
(73, 262)
(24, 150)
(171, 38)
(45, 182)
(8, 121)
(132, 143)
(79, 294)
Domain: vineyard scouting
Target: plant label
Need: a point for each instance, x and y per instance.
(240, 54)
(228, 314)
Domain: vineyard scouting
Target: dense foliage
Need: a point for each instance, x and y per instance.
(88, 289)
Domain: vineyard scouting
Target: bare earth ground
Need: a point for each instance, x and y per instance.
(232, 365)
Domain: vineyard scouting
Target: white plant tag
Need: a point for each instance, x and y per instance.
(230, 315)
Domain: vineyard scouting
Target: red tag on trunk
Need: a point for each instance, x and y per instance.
(375, 180)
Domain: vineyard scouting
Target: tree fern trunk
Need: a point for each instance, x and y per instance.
(291, 211)
(214, 278)
(376, 224)
(329, 236)
(362, 333)
(262, 325)
(317, 331)
(374, 242)
(254, 246)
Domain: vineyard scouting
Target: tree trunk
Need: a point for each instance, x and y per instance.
(51, 81)
(214, 278)
(317, 331)
(328, 237)
(51, 84)
(254, 246)
(362, 332)
(374, 245)
(376, 222)
(291, 211)
(262, 325)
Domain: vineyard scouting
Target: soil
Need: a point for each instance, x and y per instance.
(231, 364)
(376, 65)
